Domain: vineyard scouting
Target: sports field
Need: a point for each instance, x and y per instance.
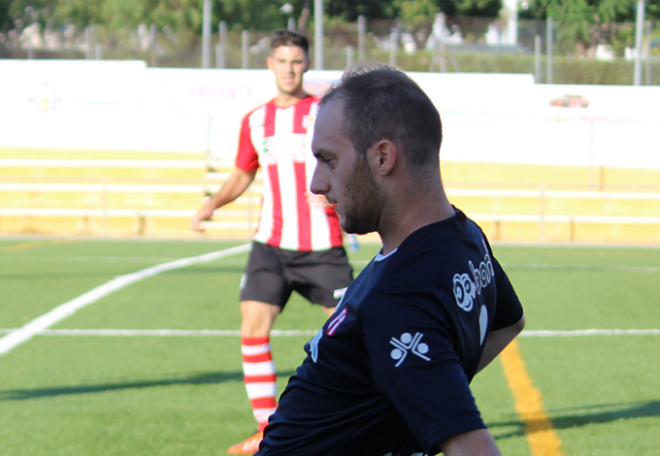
(148, 391)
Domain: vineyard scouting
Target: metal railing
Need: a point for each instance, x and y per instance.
(104, 187)
(247, 218)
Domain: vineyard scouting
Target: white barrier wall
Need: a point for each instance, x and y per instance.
(123, 105)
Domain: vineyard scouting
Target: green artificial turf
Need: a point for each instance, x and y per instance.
(176, 395)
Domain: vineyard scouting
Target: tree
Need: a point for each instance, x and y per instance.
(349, 10)
(81, 12)
(415, 14)
(5, 20)
(473, 17)
(583, 24)
(21, 13)
(263, 15)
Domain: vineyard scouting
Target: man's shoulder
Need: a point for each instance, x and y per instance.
(427, 259)
(311, 99)
(309, 104)
(258, 108)
(407, 270)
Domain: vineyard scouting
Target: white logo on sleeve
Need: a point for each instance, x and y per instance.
(464, 291)
(339, 293)
(314, 345)
(467, 287)
(408, 344)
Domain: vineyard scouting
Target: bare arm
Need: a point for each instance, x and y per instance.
(318, 201)
(497, 340)
(479, 442)
(234, 187)
(474, 443)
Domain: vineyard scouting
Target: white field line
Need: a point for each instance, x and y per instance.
(35, 259)
(590, 332)
(83, 259)
(59, 313)
(578, 267)
(163, 332)
(582, 267)
(310, 332)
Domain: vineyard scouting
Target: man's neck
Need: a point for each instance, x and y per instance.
(285, 100)
(410, 216)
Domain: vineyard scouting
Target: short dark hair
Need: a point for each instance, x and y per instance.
(384, 103)
(285, 37)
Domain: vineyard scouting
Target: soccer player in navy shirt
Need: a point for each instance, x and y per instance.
(389, 372)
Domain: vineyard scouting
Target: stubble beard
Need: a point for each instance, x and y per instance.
(366, 199)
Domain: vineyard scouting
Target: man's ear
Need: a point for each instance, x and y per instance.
(384, 156)
(269, 62)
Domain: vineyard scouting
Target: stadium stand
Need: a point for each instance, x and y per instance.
(61, 192)
(107, 193)
(524, 202)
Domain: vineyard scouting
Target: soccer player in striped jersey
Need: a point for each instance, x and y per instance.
(298, 244)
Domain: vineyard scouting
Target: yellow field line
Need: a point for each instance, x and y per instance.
(538, 429)
(30, 245)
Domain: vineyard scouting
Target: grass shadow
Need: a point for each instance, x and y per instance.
(577, 417)
(208, 378)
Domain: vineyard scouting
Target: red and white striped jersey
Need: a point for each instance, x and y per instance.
(276, 140)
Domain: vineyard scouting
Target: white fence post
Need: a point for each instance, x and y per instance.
(349, 56)
(542, 213)
(220, 49)
(549, 56)
(246, 49)
(639, 34)
(318, 34)
(537, 59)
(104, 207)
(362, 31)
(206, 35)
(393, 47)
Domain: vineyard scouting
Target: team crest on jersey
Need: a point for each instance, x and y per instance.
(308, 121)
(407, 344)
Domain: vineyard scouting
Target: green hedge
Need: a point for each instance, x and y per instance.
(565, 70)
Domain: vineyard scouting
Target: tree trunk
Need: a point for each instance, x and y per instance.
(304, 15)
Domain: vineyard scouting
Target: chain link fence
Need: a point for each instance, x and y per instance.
(437, 44)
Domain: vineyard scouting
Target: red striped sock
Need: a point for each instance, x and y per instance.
(260, 376)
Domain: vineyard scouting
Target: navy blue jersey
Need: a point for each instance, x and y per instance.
(389, 372)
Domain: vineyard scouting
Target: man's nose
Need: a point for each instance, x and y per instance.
(319, 184)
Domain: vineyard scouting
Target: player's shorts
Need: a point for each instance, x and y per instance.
(272, 274)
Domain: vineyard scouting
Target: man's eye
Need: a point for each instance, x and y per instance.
(325, 160)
